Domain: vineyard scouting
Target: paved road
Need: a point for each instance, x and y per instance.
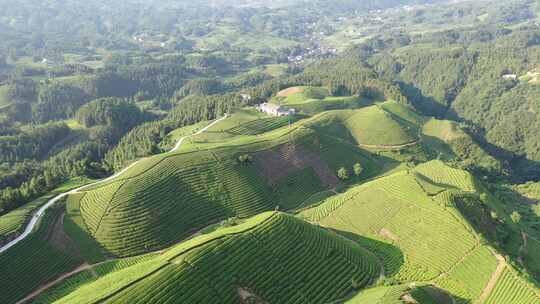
(31, 225)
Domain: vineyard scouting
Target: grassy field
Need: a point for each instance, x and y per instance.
(274, 249)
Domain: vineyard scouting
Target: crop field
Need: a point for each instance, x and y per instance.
(443, 175)
(443, 129)
(33, 262)
(168, 203)
(397, 209)
(127, 214)
(510, 289)
(403, 112)
(87, 276)
(380, 295)
(295, 188)
(274, 250)
(77, 230)
(262, 125)
(423, 294)
(14, 221)
(468, 279)
(175, 135)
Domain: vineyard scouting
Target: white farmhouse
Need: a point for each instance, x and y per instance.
(510, 77)
(275, 110)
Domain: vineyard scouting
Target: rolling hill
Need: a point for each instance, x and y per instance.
(429, 235)
(424, 224)
(272, 257)
(167, 197)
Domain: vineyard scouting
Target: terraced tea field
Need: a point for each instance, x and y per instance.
(511, 289)
(169, 202)
(436, 243)
(33, 262)
(371, 127)
(283, 260)
(165, 198)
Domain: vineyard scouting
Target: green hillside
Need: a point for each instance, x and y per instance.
(400, 294)
(430, 236)
(272, 257)
(36, 260)
(311, 100)
(371, 127)
(168, 197)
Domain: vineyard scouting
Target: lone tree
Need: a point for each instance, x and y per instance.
(357, 168)
(516, 217)
(343, 173)
(244, 158)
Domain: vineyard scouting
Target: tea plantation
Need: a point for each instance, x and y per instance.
(272, 256)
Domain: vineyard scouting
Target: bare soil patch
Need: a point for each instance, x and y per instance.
(388, 234)
(278, 163)
(59, 239)
(249, 297)
(290, 91)
(408, 299)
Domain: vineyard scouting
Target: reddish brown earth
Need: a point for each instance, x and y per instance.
(59, 239)
(289, 91)
(280, 162)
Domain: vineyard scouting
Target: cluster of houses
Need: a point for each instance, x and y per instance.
(311, 52)
(275, 110)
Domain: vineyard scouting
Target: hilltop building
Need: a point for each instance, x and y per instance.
(275, 110)
(510, 77)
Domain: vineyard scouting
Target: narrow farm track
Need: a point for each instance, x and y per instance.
(494, 278)
(33, 222)
(42, 288)
(390, 147)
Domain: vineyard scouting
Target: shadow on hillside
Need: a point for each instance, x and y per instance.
(425, 104)
(389, 255)
(519, 167)
(525, 232)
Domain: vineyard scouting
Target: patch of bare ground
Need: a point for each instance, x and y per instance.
(249, 297)
(408, 299)
(289, 91)
(59, 239)
(494, 278)
(280, 162)
(388, 234)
